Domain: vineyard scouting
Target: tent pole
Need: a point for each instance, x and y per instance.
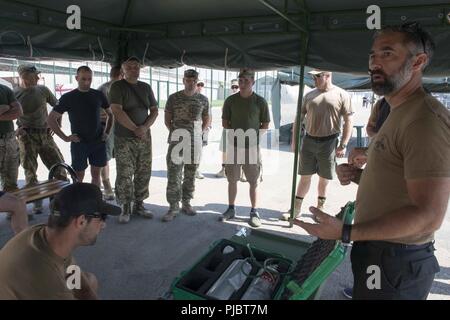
(303, 57)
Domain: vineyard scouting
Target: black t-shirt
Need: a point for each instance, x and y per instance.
(84, 112)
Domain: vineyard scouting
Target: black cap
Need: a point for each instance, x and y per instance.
(82, 198)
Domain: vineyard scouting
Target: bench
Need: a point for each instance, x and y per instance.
(48, 188)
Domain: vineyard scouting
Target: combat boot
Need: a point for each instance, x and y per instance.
(139, 210)
(124, 217)
(187, 209)
(174, 209)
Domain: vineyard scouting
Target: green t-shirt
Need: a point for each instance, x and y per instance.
(121, 93)
(6, 97)
(246, 113)
(34, 105)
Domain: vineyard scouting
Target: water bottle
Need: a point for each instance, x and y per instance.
(262, 287)
(231, 280)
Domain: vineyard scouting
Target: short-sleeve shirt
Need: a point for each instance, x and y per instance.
(324, 111)
(6, 97)
(413, 143)
(187, 113)
(246, 113)
(30, 270)
(34, 105)
(121, 92)
(84, 113)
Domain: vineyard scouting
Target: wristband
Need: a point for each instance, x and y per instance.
(346, 234)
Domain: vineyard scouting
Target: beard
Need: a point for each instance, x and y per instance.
(392, 83)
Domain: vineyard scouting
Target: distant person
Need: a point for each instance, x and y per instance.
(36, 263)
(205, 134)
(135, 110)
(188, 111)
(114, 75)
(248, 112)
(324, 109)
(35, 137)
(10, 109)
(87, 141)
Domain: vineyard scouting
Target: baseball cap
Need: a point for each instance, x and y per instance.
(246, 73)
(132, 59)
(317, 71)
(82, 198)
(190, 73)
(24, 68)
(200, 83)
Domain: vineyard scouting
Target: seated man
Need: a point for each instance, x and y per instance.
(17, 210)
(43, 253)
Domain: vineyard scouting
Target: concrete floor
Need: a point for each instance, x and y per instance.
(140, 260)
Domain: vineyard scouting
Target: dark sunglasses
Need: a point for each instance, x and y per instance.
(234, 87)
(100, 216)
(415, 29)
(200, 85)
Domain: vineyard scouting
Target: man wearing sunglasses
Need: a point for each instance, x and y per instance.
(38, 264)
(323, 110)
(404, 189)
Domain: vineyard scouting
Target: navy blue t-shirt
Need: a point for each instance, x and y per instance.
(84, 112)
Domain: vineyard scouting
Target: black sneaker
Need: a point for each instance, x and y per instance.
(228, 215)
(255, 220)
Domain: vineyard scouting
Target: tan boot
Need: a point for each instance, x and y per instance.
(297, 208)
(139, 210)
(170, 215)
(188, 210)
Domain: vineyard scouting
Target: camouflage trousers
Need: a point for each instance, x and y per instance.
(9, 162)
(134, 168)
(180, 179)
(33, 145)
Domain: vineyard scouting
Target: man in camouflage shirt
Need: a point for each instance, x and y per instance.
(186, 117)
(10, 109)
(35, 138)
(131, 100)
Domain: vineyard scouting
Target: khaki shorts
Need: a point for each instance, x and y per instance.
(318, 157)
(252, 170)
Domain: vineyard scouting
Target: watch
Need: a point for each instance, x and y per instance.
(346, 234)
(343, 145)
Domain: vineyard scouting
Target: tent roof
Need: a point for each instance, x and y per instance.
(214, 33)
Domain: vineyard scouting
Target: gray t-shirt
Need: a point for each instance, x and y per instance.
(122, 93)
(34, 104)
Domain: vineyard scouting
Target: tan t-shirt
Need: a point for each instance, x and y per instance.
(30, 270)
(413, 143)
(324, 111)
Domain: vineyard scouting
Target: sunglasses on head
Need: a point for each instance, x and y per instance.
(415, 29)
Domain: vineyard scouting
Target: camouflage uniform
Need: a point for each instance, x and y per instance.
(133, 158)
(133, 155)
(9, 161)
(9, 150)
(187, 113)
(35, 138)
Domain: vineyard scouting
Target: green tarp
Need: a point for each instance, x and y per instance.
(215, 33)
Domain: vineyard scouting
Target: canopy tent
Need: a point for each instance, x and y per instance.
(263, 34)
